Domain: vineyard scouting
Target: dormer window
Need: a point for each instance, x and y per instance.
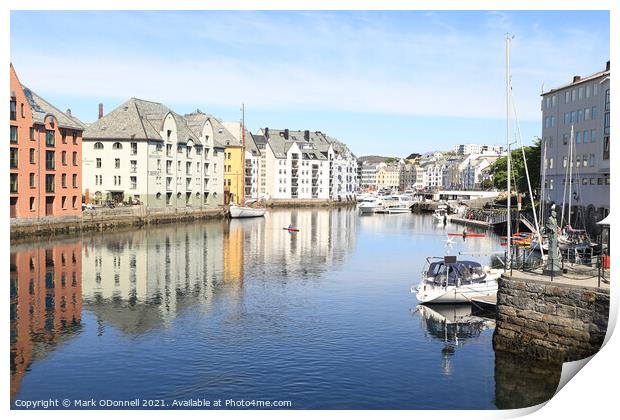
(98, 145)
(117, 146)
(168, 134)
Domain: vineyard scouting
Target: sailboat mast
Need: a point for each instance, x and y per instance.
(242, 153)
(542, 183)
(508, 216)
(570, 171)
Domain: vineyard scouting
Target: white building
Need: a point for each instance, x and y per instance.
(304, 165)
(144, 152)
(369, 175)
(468, 149)
(474, 169)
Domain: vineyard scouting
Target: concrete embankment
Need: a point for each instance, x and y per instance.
(105, 219)
(552, 321)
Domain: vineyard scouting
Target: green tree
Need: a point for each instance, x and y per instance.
(532, 156)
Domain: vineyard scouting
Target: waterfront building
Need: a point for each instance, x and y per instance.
(143, 152)
(583, 106)
(305, 165)
(388, 176)
(408, 174)
(477, 149)
(432, 174)
(252, 160)
(46, 152)
(234, 163)
(368, 177)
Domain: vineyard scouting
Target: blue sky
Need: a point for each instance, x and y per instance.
(388, 83)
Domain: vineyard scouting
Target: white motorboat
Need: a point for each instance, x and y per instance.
(244, 211)
(369, 205)
(441, 214)
(397, 210)
(395, 204)
(451, 281)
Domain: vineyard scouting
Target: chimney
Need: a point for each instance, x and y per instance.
(607, 66)
(100, 111)
(307, 135)
(68, 112)
(267, 133)
(576, 79)
(286, 133)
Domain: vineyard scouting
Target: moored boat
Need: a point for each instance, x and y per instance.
(447, 280)
(244, 211)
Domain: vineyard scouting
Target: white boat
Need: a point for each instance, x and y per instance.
(369, 205)
(397, 210)
(395, 204)
(243, 211)
(441, 214)
(455, 282)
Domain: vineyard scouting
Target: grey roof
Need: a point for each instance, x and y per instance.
(135, 119)
(221, 136)
(581, 80)
(250, 144)
(40, 108)
(314, 148)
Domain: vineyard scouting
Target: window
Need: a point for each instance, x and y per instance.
(567, 97)
(63, 157)
(74, 180)
(594, 113)
(63, 202)
(13, 134)
(606, 148)
(584, 181)
(587, 115)
(585, 160)
(31, 203)
(50, 138)
(31, 133)
(49, 183)
(133, 166)
(168, 150)
(588, 91)
(565, 138)
(14, 158)
(134, 148)
(578, 161)
(98, 145)
(117, 146)
(74, 138)
(98, 162)
(573, 95)
(578, 137)
(550, 163)
(50, 158)
(117, 163)
(63, 180)
(593, 136)
(586, 136)
(32, 156)
(13, 111)
(13, 183)
(32, 180)
(134, 182)
(74, 159)
(581, 92)
(63, 137)
(566, 118)
(74, 202)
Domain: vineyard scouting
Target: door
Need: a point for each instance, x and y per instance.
(49, 206)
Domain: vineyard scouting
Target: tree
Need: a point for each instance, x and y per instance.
(532, 156)
(486, 184)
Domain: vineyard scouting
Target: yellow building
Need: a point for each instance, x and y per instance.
(388, 176)
(234, 164)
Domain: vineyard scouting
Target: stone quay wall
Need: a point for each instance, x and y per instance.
(309, 202)
(101, 219)
(549, 320)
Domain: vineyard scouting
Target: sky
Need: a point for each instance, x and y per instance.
(384, 82)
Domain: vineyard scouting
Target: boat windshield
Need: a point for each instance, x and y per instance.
(465, 271)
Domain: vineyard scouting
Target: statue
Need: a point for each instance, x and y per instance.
(552, 266)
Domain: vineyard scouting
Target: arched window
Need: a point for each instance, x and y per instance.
(179, 196)
(158, 196)
(98, 145)
(117, 146)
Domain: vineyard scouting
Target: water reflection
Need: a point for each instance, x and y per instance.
(454, 325)
(246, 309)
(46, 302)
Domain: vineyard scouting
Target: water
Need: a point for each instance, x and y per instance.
(243, 309)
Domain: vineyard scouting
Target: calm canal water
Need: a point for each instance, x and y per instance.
(246, 310)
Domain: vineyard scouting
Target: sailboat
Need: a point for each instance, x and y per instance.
(447, 280)
(251, 207)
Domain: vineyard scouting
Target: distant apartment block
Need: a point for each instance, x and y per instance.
(583, 107)
(468, 149)
(46, 154)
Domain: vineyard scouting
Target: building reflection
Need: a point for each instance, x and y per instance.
(454, 325)
(46, 302)
(140, 280)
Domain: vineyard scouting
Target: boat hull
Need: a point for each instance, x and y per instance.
(238, 212)
(428, 292)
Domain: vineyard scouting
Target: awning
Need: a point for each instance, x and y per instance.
(605, 221)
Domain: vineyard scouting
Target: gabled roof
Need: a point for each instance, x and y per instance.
(135, 119)
(221, 136)
(40, 108)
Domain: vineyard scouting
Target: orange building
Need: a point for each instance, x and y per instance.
(46, 303)
(46, 156)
